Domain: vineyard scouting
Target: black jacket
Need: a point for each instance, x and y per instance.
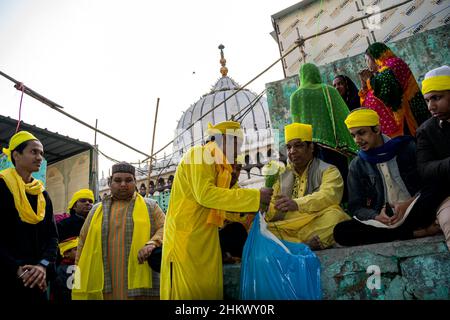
(365, 184)
(23, 243)
(433, 152)
(70, 227)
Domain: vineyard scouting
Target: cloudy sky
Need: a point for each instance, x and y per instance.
(111, 59)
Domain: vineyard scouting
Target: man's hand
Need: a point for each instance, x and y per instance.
(35, 276)
(265, 196)
(145, 252)
(382, 217)
(400, 210)
(285, 204)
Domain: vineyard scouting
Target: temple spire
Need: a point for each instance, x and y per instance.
(223, 62)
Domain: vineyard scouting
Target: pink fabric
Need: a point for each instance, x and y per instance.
(400, 69)
(387, 120)
(61, 216)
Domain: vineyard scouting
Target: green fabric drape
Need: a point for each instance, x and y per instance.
(321, 106)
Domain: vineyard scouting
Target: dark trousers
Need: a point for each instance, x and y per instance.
(232, 239)
(423, 214)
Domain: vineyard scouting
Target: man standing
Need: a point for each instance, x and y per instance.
(386, 196)
(192, 261)
(79, 207)
(28, 237)
(115, 242)
(305, 207)
(433, 140)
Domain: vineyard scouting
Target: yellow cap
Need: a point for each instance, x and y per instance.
(362, 117)
(298, 131)
(17, 139)
(67, 245)
(81, 194)
(232, 128)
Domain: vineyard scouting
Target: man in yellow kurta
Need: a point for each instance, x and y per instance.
(192, 261)
(305, 206)
(116, 240)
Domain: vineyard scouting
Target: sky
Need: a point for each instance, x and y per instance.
(111, 59)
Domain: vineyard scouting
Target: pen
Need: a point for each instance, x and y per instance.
(23, 273)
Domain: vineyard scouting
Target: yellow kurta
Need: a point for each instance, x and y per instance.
(318, 212)
(192, 261)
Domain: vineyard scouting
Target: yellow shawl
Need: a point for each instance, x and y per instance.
(223, 169)
(89, 274)
(19, 189)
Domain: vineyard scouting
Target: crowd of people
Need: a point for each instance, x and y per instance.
(363, 167)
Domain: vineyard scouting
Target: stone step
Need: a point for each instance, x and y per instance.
(408, 270)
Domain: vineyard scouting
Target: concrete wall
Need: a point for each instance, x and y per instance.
(422, 52)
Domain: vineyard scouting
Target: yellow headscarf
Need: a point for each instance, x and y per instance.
(436, 80)
(19, 189)
(67, 245)
(362, 118)
(298, 131)
(232, 128)
(80, 194)
(89, 276)
(17, 139)
(224, 170)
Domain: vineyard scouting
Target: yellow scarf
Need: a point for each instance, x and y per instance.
(223, 169)
(19, 189)
(89, 276)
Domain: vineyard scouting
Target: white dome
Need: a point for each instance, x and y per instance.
(255, 123)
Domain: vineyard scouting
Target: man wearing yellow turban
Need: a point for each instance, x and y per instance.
(28, 237)
(305, 206)
(79, 207)
(386, 198)
(433, 140)
(192, 262)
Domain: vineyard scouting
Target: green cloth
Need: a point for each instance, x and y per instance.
(387, 89)
(321, 106)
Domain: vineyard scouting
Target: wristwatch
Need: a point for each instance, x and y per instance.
(44, 263)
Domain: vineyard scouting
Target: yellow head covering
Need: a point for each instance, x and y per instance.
(362, 118)
(67, 245)
(81, 194)
(436, 80)
(16, 140)
(232, 128)
(298, 131)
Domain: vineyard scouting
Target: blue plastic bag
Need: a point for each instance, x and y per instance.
(274, 269)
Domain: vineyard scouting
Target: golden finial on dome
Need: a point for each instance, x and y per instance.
(223, 62)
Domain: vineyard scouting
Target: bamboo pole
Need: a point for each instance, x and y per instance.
(151, 153)
(95, 165)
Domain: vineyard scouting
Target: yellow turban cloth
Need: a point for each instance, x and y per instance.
(232, 128)
(80, 194)
(362, 118)
(67, 245)
(16, 140)
(438, 83)
(298, 131)
(19, 190)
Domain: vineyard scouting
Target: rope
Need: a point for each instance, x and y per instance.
(21, 87)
